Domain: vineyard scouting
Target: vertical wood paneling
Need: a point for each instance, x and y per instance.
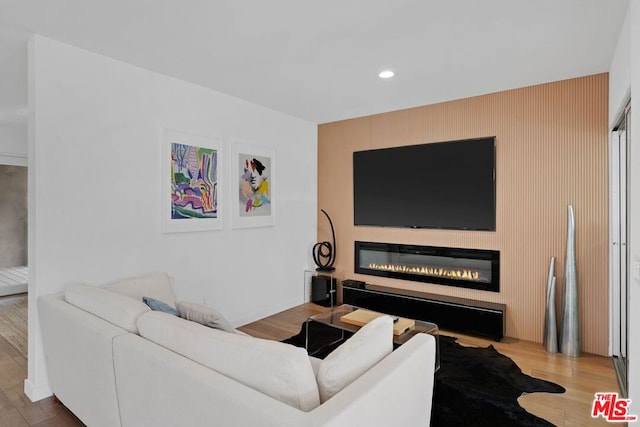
(552, 150)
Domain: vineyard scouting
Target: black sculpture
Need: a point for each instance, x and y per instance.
(324, 253)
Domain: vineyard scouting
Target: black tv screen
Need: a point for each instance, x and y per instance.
(448, 185)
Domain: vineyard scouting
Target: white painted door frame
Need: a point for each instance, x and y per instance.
(618, 250)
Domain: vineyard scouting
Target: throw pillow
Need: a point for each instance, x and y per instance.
(204, 315)
(372, 343)
(157, 305)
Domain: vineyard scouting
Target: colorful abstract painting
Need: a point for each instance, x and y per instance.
(194, 183)
(254, 185)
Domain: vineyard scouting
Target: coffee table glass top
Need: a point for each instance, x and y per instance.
(332, 318)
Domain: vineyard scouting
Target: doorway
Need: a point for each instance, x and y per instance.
(620, 262)
(13, 265)
(13, 229)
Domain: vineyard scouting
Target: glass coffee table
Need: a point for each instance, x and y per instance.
(338, 330)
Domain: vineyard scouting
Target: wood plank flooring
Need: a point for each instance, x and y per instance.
(15, 408)
(13, 322)
(582, 376)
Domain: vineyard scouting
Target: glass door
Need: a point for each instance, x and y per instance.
(620, 262)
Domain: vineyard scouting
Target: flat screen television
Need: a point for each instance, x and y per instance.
(446, 185)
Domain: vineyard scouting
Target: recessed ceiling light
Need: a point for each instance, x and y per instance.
(386, 74)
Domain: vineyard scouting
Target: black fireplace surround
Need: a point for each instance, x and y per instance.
(467, 268)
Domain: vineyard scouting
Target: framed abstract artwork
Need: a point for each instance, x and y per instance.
(192, 179)
(253, 186)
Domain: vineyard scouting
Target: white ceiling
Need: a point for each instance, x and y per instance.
(319, 60)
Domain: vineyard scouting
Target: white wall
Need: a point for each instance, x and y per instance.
(624, 79)
(13, 144)
(94, 205)
(619, 74)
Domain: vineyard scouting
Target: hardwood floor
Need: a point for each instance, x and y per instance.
(582, 376)
(16, 410)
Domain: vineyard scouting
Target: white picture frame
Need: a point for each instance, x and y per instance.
(192, 182)
(253, 186)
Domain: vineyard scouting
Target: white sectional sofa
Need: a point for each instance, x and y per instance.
(114, 362)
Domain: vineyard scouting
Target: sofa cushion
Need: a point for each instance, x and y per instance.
(372, 343)
(204, 315)
(121, 310)
(315, 364)
(279, 370)
(154, 285)
(157, 305)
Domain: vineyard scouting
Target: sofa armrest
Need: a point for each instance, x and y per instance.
(397, 391)
(78, 356)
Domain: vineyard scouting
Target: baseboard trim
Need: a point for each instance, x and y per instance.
(13, 159)
(37, 392)
(13, 289)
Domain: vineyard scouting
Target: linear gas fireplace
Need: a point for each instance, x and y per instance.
(467, 268)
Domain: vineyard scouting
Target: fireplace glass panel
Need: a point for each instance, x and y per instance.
(474, 270)
(477, 269)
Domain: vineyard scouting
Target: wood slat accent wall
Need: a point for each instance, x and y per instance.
(551, 151)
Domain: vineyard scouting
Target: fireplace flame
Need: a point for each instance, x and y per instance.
(428, 271)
